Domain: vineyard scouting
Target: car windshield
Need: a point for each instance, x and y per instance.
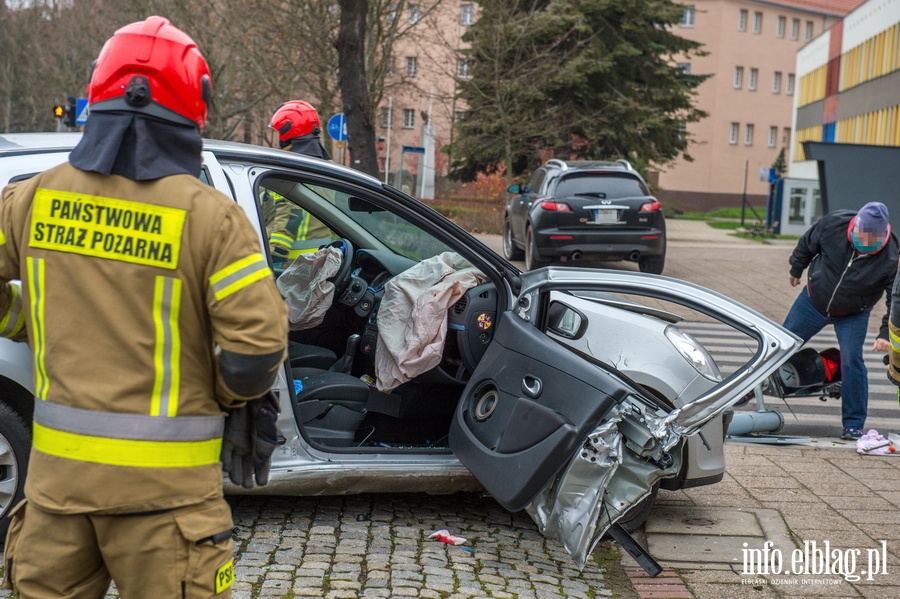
(328, 213)
(610, 185)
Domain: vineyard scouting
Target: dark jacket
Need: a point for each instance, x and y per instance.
(841, 282)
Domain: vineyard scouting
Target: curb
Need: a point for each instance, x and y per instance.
(667, 585)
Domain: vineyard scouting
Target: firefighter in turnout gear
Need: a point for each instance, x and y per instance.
(151, 312)
(292, 230)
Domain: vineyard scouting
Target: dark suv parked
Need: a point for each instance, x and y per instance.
(576, 209)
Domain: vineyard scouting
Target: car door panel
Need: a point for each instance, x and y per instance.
(607, 442)
(525, 411)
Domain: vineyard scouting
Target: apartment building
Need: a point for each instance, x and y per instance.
(752, 48)
(419, 107)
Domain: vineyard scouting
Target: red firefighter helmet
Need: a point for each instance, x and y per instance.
(295, 119)
(154, 68)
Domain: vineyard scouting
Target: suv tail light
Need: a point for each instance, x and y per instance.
(556, 206)
(651, 207)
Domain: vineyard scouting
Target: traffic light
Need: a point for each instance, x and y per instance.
(71, 113)
(58, 111)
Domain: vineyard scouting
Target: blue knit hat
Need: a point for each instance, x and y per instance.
(873, 218)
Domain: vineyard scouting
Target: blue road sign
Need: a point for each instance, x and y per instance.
(413, 150)
(81, 111)
(337, 127)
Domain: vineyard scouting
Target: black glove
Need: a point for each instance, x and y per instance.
(249, 440)
(266, 415)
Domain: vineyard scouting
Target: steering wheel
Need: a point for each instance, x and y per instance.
(342, 277)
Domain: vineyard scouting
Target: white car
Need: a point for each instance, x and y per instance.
(560, 391)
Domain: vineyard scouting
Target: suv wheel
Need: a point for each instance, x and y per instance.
(510, 250)
(652, 264)
(532, 257)
(15, 445)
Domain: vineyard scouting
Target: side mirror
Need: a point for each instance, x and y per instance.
(566, 321)
(515, 189)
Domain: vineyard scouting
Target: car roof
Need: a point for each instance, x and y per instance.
(36, 143)
(571, 165)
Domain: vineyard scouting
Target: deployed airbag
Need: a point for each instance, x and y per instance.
(412, 319)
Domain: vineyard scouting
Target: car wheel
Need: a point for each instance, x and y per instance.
(652, 264)
(637, 515)
(15, 445)
(510, 250)
(532, 257)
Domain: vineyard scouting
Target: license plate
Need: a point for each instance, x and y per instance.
(606, 216)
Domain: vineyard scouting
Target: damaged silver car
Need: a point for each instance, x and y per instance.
(425, 362)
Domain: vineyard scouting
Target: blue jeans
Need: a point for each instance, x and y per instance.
(804, 320)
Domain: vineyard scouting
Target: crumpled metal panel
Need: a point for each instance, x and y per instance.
(569, 511)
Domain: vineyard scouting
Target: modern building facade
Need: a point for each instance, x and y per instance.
(849, 84)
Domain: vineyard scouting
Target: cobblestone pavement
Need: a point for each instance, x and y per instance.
(378, 546)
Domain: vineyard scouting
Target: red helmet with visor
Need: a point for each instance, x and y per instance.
(295, 119)
(154, 68)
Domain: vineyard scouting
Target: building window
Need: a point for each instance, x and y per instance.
(751, 82)
(733, 133)
(409, 118)
(748, 134)
(462, 68)
(776, 82)
(384, 118)
(687, 16)
(412, 65)
(742, 20)
(466, 14)
(795, 28)
(391, 13)
(738, 77)
(414, 14)
(773, 136)
(684, 67)
(458, 116)
(682, 129)
(789, 87)
(779, 28)
(808, 32)
(757, 22)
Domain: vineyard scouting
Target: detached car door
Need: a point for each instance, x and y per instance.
(549, 429)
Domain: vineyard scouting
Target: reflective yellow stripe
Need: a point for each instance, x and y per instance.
(37, 335)
(13, 321)
(126, 452)
(281, 239)
(2, 238)
(167, 352)
(238, 275)
(895, 341)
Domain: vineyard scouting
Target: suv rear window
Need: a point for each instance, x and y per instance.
(612, 185)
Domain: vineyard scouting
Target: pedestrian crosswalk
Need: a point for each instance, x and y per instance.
(806, 416)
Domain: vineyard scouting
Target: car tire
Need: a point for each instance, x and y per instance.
(637, 515)
(652, 264)
(532, 256)
(510, 250)
(15, 447)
